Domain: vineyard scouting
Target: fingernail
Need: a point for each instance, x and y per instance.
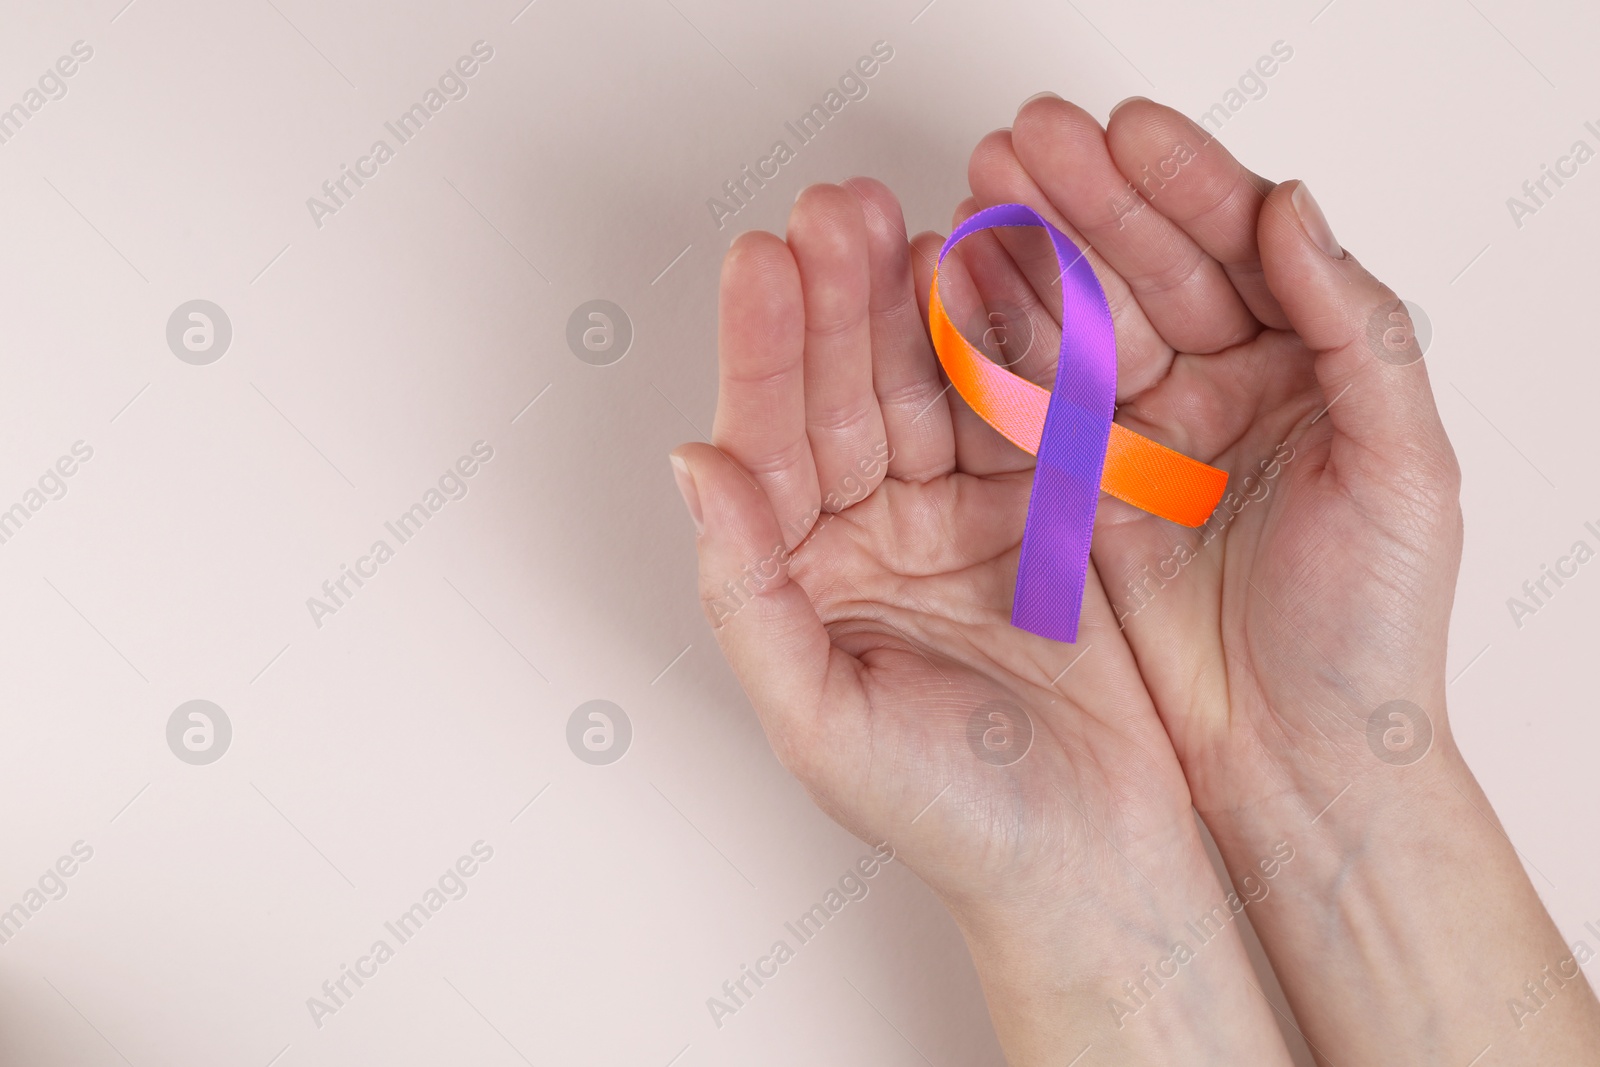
(691, 495)
(1126, 102)
(1046, 95)
(1315, 222)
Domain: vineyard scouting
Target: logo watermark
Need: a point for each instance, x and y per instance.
(1399, 733)
(599, 732)
(999, 733)
(1399, 334)
(1003, 332)
(199, 332)
(599, 332)
(199, 732)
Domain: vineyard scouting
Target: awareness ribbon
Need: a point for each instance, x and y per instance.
(1080, 450)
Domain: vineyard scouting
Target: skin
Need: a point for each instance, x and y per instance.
(869, 523)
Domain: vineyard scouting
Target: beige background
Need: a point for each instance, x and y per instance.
(367, 355)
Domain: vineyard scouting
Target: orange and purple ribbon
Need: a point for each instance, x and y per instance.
(1080, 450)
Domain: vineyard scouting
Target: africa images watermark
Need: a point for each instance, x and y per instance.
(452, 485)
(1537, 192)
(755, 577)
(452, 85)
(1143, 588)
(1142, 988)
(451, 885)
(51, 85)
(851, 887)
(1537, 592)
(1252, 85)
(1539, 991)
(52, 485)
(51, 885)
(852, 85)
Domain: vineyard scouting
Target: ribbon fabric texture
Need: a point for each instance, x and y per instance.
(1080, 450)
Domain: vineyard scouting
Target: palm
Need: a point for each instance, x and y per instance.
(891, 636)
(1291, 617)
(913, 584)
(1318, 600)
(1282, 626)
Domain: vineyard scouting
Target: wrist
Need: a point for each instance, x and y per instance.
(1294, 772)
(1130, 966)
(1401, 872)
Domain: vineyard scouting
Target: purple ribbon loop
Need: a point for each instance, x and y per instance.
(1054, 566)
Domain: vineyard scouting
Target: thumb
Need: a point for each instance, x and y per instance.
(1368, 363)
(765, 622)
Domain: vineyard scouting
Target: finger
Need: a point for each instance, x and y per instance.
(997, 176)
(1032, 253)
(1189, 178)
(843, 421)
(1383, 412)
(1207, 404)
(1012, 324)
(1184, 292)
(905, 372)
(766, 624)
(980, 450)
(761, 416)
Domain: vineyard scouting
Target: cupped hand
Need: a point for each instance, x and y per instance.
(1320, 591)
(858, 535)
(1295, 645)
